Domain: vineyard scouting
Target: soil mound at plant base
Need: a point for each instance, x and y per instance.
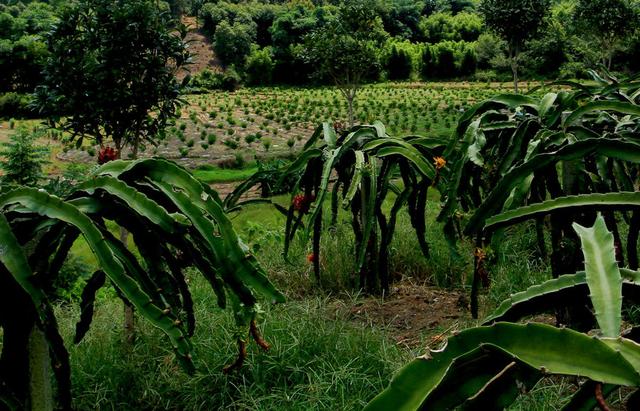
(415, 313)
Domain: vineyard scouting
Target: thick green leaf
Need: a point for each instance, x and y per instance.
(603, 275)
(15, 261)
(594, 106)
(556, 351)
(467, 376)
(562, 291)
(136, 201)
(623, 200)
(493, 204)
(413, 155)
(354, 186)
(44, 204)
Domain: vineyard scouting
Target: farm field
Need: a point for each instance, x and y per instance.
(274, 205)
(223, 133)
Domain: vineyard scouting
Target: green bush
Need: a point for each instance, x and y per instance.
(22, 159)
(468, 62)
(232, 43)
(259, 68)
(398, 64)
(227, 80)
(573, 70)
(15, 105)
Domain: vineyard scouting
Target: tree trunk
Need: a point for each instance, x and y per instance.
(513, 53)
(350, 98)
(40, 391)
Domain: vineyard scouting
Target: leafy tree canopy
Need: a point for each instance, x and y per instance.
(514, 20)
(112, 71)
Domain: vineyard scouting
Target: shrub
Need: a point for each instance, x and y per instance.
(446, 61)
(259, 67)
(23, 159)
(240, 161)
(429, 61)
(573, 70)
(227, 80)
(469, 62)
(399, 64)
(15, 105)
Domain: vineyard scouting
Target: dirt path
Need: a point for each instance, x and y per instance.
(201, 50)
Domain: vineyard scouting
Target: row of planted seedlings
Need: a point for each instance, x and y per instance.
(302, 108)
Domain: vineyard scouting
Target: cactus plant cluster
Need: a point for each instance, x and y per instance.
(175, 221)
(488, 367)
(356, 168)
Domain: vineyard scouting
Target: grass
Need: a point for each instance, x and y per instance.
(319, 360)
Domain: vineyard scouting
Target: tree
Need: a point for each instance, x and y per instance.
(399, 64)
(23, 159)
(515, 21)
(111, 74)
(345, 48)
(605, 23)
(233, 42)
(259, 69)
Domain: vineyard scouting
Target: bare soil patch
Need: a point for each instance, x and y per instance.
(415, 313)
(200, 48)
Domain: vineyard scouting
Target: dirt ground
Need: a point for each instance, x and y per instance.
(202, 55)
(415, 314)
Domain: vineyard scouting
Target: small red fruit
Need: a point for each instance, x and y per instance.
(311, 258)
(302, 203)
(107, 154)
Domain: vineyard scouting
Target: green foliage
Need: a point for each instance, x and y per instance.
(196, 234)
(448, 59)
(516, 150)
(490, 365)
(398, 64)
(23, 159)
(227, 80)
(514, 20)
(364, 159)
(96, 64)
(444, 26)
(605, 23)
(232, 43)
(259, 67)
(15, 105)
(22, 50)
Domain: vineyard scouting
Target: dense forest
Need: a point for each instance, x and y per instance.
(263, 42)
